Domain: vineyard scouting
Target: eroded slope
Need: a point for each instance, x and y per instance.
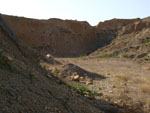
(26, 87)
(132, 41)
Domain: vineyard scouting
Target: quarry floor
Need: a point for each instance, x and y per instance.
(126, 82)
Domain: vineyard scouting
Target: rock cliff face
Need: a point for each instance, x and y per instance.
(108, 30)
(55, 36)
(135, 27)
(67, 37)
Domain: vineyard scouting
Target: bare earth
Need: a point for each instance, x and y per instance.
(126, 82)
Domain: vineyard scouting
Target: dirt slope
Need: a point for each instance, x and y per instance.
(26, 87)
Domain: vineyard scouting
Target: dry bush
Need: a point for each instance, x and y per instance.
(139, 80)
(124, 77)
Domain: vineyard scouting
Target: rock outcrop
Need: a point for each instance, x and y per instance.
(114, 23)
(131, 41)
(134, 27)
(108, 30)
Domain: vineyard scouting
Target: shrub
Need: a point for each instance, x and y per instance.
(146, 41)
(31, 76)
(125, 56)
(4, 61)
(79, 89)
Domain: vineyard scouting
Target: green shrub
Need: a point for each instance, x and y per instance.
(55, 71)
(125, 56)
(146, 41)
(4, 61)
(83, 91)
(79, 89)
(31, 76)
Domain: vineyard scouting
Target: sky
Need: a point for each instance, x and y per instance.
(92, 11)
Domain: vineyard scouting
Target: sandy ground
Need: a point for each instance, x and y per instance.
(127, 81)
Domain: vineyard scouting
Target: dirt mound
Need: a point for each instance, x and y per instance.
(75, 73)
(69, 69)
(26, 87)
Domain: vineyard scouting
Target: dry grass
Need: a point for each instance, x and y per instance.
(124, 77)
(139, 80)
(145, 88)
(144, 84)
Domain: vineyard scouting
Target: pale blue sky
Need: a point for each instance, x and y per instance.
(92, 11)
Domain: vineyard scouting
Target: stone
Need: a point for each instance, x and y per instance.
(49, 76)
(110, 91)
(141, 55)
(113, 86)
(9, 59)
(48, 56)
(100, 93)
(90, 81)
(81, 78)
(76, 78)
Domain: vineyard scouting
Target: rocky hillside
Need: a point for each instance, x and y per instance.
(131, 41)
(108, 30)
(27, 87)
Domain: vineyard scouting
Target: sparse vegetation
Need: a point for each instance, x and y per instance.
(31, 76)
(107, 55)
(124, 77)
(119, 82)
(145, 88)
(125, 56)
(145, 41)
(82, 56)
(55, 71)
(79, 89)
